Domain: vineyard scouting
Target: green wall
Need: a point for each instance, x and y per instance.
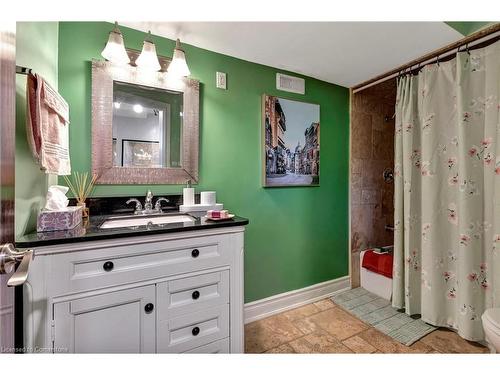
(297, 236)
(468, 27)
(36, 48)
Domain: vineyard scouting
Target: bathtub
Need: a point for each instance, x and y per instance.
(373, 282)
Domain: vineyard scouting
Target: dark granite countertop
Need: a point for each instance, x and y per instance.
(92, 231)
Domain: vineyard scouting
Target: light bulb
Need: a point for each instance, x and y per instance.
(115, 48)
(148, 58)
(138, 108)
(178, 66)
(117, 105)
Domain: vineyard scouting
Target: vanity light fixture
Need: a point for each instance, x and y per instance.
(138, 108)
(148, 58)
(115, 48)
(178, 66)
(117, 105)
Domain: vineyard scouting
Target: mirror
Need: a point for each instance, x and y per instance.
(147, 124)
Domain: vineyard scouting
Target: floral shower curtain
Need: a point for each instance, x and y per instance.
(447, 191)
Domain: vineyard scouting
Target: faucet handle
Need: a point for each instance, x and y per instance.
(158, 203)
(138, 205)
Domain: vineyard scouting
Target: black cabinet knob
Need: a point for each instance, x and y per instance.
(195, 253)
(149, 307)
(195, 331)
(195, 294)
(108, 266)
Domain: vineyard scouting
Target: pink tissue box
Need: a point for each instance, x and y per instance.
(59, 220)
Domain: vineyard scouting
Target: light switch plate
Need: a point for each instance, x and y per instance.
(220, 80)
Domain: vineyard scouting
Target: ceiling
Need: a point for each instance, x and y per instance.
(344, 53)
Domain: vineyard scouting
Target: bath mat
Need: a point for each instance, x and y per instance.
(380, 314)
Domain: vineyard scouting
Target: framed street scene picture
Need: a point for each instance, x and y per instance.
(290, 137)
(137, 153)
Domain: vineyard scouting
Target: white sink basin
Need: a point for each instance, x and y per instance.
(138, 221)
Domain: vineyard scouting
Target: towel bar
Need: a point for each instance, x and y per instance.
(23, 70)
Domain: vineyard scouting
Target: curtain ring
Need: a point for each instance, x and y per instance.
(437, 60)
(467, 48)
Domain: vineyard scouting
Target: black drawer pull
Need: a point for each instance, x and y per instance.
(195, 253)
(195, 294)
(149, 308)
(195, 331)
(108, 266)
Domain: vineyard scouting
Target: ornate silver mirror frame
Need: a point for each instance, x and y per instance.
(103, 75)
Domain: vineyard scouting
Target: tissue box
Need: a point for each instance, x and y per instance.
(65, 219)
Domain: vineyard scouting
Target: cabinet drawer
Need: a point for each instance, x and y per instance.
(193, 293)
(218, 347)
(74, 272)
(191, 331)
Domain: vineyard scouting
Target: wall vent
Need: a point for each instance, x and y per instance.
(291, 84)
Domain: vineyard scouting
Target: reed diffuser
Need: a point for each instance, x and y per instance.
(81, 187)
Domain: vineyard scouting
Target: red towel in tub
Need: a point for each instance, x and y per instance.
(378, 263)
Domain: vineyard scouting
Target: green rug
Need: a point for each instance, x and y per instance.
(380, 314)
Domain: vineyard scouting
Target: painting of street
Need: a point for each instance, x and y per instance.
(291, 136)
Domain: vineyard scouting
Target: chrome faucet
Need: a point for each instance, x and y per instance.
(148, 203)
(158, 203)
(138, 205)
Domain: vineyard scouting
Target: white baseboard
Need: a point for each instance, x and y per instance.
(265, 307)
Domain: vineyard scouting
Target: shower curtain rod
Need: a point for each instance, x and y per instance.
(486, 33)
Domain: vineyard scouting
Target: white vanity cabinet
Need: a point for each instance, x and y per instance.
(160, 293)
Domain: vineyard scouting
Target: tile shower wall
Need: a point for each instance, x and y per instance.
(372, 151)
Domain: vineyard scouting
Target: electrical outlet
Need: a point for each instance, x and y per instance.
(220, 80)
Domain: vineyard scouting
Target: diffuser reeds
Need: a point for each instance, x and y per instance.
(81, 187)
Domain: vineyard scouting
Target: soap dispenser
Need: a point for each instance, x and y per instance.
(188, 194)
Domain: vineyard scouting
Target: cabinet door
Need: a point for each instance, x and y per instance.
(116, 322)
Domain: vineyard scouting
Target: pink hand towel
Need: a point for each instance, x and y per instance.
(47, 123)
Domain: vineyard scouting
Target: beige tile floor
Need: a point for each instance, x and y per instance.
(323, 327)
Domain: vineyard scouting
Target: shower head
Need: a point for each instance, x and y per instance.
(388, 118)
(388, 175)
